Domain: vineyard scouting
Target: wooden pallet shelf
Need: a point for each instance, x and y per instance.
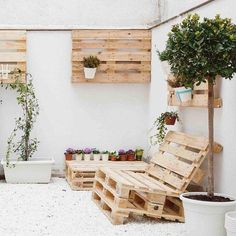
(12, 52)
(125, 55)
(199, 98)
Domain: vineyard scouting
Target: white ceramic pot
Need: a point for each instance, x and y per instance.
(78, 157)
(96, 157)
(36, 170)
(89, 73)
(205, 218)
(87, 157)
(105, 157)
(230, 223)
(183, 94)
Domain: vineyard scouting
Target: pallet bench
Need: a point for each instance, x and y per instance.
(154, 191)
(81, 174)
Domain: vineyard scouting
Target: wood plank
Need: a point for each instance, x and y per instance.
(12, 56)
(12, 35)
(12, 45)
(197, 142)
(173, 164)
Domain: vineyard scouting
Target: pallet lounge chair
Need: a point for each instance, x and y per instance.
(154, 191)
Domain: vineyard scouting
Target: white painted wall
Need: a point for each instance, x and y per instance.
(195, 120)
(77, 13)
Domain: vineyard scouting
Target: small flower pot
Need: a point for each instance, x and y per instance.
(123, 157)
(89, 73)
(87, 157)
(183, 94)
(78, 157)
(105, 157)
(139, 157)
(130, 157)
(113, 158)
(69, 156)
(170, 120)
(96, 157)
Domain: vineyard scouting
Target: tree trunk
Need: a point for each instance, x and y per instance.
(211, 137)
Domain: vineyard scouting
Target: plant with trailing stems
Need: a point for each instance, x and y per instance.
(91, 62)
(199, 52)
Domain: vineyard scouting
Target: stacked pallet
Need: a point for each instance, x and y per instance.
(81, 174)
(155, 191)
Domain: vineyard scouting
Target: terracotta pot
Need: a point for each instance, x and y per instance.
(123, 157)
(69, 157)
(170, 120)
(113, 158)
(131, 157)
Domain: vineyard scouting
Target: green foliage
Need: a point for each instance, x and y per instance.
(199, 50)
(25, 146)
(91, 62)
(161, 128)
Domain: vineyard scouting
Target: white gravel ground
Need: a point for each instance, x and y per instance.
(54, 209)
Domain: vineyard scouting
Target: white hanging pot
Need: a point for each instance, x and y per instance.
(89, 73)
(230, 223)
(96, 157)
(205, 218)
(87, 157)
(183, 94)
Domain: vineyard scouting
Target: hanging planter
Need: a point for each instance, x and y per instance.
(90, 66)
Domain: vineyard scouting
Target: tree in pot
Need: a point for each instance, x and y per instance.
(166, 118)
(90, 66)
(24, 170)
(198, 52)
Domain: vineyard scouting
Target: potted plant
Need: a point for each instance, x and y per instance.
(69, 154)
(79, 155)
(113, 156)
(166, 118)
(96, 155)
(105, 155)
(199, 51)
(19, 166)
(139, 154)
(90, 66)
(130, 155)
(87, 154)
(122, 155)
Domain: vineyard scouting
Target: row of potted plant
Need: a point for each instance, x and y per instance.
(88, 154)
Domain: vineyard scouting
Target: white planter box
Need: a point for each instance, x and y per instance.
(96, 157)
(89, 73)
(183, 94)
(205, 218)
(36, 170)
(105, 157)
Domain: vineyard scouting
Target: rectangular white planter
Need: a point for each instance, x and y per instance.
(36, 170)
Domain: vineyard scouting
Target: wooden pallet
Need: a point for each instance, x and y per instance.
(199, 97)
(81, 174)
(12, 52)
(125, 55)
(155, 191)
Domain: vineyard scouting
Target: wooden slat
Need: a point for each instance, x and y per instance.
(12, 56)
(197, 142)
(12, 45)
(12, 35)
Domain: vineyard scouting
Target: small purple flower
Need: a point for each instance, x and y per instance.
(87, 151)
(70, 151)
(130, 151)
(122, 152)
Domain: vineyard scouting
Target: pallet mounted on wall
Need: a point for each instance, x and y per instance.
(125, 55)
(199, 99)
(12, 53)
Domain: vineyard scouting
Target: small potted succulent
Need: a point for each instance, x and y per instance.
(69, 154)
(166, 118)
(87, 154)
(79, 155)
(90, 66)
(96, 155)
(113, 156)
(122, 155)
(130, 155)
(105, 155)
(139, 154)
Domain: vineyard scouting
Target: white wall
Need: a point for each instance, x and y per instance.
(77, 13)
(195, 120)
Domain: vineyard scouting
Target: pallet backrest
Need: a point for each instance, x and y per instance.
(178, 159)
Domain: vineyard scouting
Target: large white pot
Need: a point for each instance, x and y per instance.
(89, 73)
(230, 223)
(205, 218)
(183, 94)
(36, 170)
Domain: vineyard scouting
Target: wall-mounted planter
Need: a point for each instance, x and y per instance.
(36, 170)
(89, 73)
(183, 94)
